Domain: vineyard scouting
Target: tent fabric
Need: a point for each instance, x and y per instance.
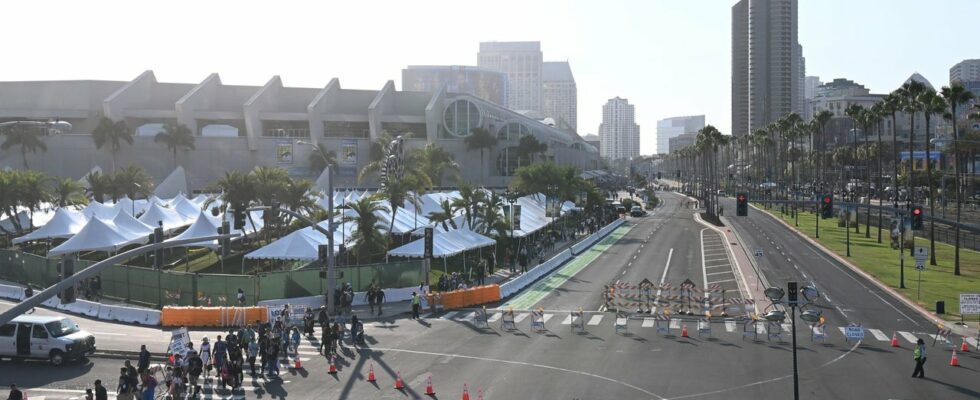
(131, 227)
(65, 224)
(199, 200)
(94, 209)
(302, 244)
(186, 208)
(84, 179)
(173, 184)
(171, 219)
(444, 244)
(97, 235)
(205, 225)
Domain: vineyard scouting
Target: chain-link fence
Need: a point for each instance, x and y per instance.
(146, 286)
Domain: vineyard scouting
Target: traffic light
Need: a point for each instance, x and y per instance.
(158, 253)
(659, 176)
(67, 270)
(791, 293)
(272, 214)
(323, 252)
(427, 252)
(827, 207)
(239, 213)
(741, 205)
(917, 218)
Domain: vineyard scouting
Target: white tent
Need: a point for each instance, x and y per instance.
(302, 244)
(64, 224)
(199, 199)
(94, 209)
(97, 235)
(186, 208)
(131, 227)
(204, 226)
(172, 220)
(445, 244)
(532, 216)
(84, 179)
(173, 184)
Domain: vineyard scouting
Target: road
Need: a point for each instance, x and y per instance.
(603, 362)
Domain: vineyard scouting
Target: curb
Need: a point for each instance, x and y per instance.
(123, 355)
(881, 285)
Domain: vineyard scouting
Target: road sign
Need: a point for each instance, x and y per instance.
(855, 332)
(758, 253)
(921, 255)
(178, 341)
(969, 303)
(427, 248)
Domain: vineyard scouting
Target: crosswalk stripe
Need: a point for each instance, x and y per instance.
(675, 324)
(648, 322)
(496, 316)
(520, 317)
(595, 320)
(547, 317)
(567, 320)
(730, 326)
(878, 334)
(469, 317)
(452, 315)
(937, 338)
(908, 336)
(787, 327)
(971, 342)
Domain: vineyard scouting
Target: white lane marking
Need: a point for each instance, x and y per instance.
(453, 315)
(730, 326)
(469, 317)
(908, 336)
(722, 272)
(664, 276)
(719, 266)
(547, 317)
(495, 317)
(878, 334)
(841, 311)
(647, 322)
(567, 320)
(704, 271)
(520, 317)
(595, 320)
(675, 324)
(724, 281)
(107, 333)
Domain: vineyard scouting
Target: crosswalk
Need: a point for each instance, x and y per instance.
(760, 330)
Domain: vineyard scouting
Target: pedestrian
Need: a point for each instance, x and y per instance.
(919, 354)
(379, 296)
(206, 356)
(415, 305)
(323, 318)
(194, 368)
(15, 393)
(144, 359)
(100, 392)
(274, 358)
(89, 395)
(253, 351)
(240, 296)
(335, 334)
(123, 390)
(371, 298)
(295, 340)
(28, 293)
(149, 386)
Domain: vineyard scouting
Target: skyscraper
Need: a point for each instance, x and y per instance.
(522, 62)
(965, 71)
(559, 95)
(482, 83)
(619, 135)
(669, 128)
(767, 63)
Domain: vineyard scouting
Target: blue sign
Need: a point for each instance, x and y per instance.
(918, 155)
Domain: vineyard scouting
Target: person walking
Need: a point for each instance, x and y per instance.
(206, 356)
(28, 293)
(149, 386)
(123, 390)
(15, 393)
(144, 361)
(379, 297)
(919, 354)
(415, 305)
(371, 298)
(253, 351)
(323, 318)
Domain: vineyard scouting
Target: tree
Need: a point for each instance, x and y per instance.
(298, 196)
(68, 192)
(269, 183)
(444, 216)
(132, 181)
(99, 185)
(468, 202)
(931, 104)
(18, 190)
(820, 121)
(320, 158)
(175, 137)
(398, 192)
(909, 94)
(491, 220)
(368, 236)
(237, 189)
(878, 115)
(891, 104)
(528, 147)
(956, 95)
(431, 161)
(480, 139)
(26, 138)
(113, 134)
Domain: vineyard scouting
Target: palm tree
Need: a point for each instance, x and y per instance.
(491, 217)
(432, 162)
(175, 137)
(468, 202)
(26, 138)
(878, 114)
(133, 181)
(113, 134)
(68, 192)
(298, 196)
(237, 189)
(31, 189)
(398, 192)
(269, 183)
(369, 240)
(528, 147)
(931, 104)
(891, 104)
(444, 216)
(820, 121)
(866, 119)
(955, 95)
(320, 158)
(480, 139)
(99, 185)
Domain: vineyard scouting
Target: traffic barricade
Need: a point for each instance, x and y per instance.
(507, 320)
(212, 316)
(704, 327)
(621, 323)
(661, 324)
(749, 328)
(578, 320)
(818, 332)
(774, 330)
(481, 319)
(537, 321)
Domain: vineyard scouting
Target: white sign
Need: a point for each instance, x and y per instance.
(758, 253)
(854, 332)
(969, 303)
(921, 253)
(179, 338)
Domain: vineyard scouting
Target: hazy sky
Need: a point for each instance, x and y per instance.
(668, 57)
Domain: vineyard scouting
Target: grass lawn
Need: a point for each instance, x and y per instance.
(879, 260)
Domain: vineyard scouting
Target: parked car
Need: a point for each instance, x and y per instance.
(637, 211)
(56, 339)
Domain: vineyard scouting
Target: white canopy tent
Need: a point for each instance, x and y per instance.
(173, 184)
(97, 235)
(131, 227)
(65, 224)
(172, 220)
(185, 208)
(444, 244)
(207, 225)
(94, 209)
(303, 244)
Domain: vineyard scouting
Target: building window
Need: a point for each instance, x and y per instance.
(415, 131)
(513, 131)
(289, 129)
(461, 117)
(346, 129)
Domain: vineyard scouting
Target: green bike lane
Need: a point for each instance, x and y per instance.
(540, 290)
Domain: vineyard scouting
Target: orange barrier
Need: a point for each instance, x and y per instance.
(212, 316)
(469, 297)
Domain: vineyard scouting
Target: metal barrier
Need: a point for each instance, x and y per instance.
(537, 322)
(577, 320)
(621, 323)
(507, 320)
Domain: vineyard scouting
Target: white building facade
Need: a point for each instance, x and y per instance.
(522, 63)
(619, 135)
(672, 127)
(560, 95)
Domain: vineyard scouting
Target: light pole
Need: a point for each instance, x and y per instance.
(511, 198)
(331, 268)
(775, 295)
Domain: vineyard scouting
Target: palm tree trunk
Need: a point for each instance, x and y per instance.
(959, 199)
(867, 188)
(932, 203)
(880, 189)
(23, 154)
(911, 174)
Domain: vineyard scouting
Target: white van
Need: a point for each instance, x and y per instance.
(56, 339)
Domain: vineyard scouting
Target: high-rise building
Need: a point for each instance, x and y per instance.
(681, 141)
(767, 63)
(619, 135)
(965, 71)
(483, 83)
(810, 85)
(672, 127)
(559, 94)
(522, 63)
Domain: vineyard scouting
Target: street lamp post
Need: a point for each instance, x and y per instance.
(511, 198)
(809, 294)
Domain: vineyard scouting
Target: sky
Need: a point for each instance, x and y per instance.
(668, 57)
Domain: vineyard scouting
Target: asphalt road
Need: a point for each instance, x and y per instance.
(602, 363)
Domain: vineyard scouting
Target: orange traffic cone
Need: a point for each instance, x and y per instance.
(466, 393)
(299, 365)
(333, 368)
(684, 330)
(895, 339)
(429, 391)
(399, 384)
(371, 373)
(964, 348)
(954, 362)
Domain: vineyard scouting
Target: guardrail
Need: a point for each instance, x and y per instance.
(133, 315)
